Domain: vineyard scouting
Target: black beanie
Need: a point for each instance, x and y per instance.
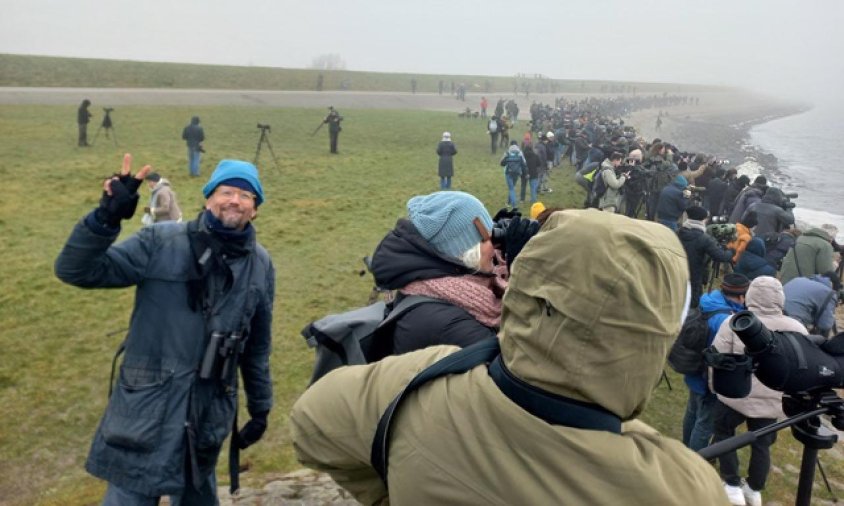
(734, 284)
(697, 213)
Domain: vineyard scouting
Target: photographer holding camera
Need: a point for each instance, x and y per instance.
(773, 213)
(193, 135)
(701, 249)
(203, 308)
(445, 250)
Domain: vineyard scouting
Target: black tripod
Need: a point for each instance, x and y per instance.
(108, 125)
(804, 410)
(265, 138)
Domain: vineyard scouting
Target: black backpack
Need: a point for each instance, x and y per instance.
(686, 355)
(359, 336)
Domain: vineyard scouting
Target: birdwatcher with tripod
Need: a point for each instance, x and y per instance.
(333, 119)
(193, 135)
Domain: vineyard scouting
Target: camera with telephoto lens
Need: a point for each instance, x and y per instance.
(722, 232)
(264, 127)
(221, 355)
(787, 203)
(499, 230)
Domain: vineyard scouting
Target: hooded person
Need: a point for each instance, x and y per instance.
(752, 263)
(762, 407)
(811, 254)
(770, 213)
(749, 196)
(515, 165)
(701, 249)
(461, 440)
(673, 201)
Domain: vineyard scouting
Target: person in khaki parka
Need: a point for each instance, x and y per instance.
(577, 322)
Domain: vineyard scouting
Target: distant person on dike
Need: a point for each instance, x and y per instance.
(202, 288)
(484, 106)
(83, 117)
(589, 366)
(812, 254)
(333, 119)
(194, 135)
(162, 201)
(720, 304)
(492, 128)
(446, 150)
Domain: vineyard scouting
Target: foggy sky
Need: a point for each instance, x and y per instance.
(786, 48)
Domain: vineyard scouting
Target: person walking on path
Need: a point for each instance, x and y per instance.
(83, 117)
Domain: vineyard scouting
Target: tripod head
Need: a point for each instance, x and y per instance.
(264, 128)
(107, 123)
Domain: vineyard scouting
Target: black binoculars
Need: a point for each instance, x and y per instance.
(221, 355)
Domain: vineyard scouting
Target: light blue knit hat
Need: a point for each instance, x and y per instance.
(235, 169)
(446, 220)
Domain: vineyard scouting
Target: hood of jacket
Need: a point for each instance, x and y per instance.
(765, 296)
(756, 246)
(605, 345)
(817, 232)
(514, 150)
(404, 256)
(774, 196)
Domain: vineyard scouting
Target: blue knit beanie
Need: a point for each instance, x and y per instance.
(446, 220)
(230, 171)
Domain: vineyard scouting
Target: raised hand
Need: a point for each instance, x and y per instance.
(120, 194)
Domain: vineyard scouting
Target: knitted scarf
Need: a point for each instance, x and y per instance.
(479, 295)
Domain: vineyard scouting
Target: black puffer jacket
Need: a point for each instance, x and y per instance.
(699, 246)
(404, 256)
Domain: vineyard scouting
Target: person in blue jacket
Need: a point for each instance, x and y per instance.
(752, 262)
(673, 201)
(719, 304)
(203, 308)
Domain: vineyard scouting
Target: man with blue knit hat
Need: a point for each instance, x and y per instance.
(203, 310)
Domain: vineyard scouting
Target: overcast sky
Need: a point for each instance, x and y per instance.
(777, 46)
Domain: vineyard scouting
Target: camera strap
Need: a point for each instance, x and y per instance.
(552, 408)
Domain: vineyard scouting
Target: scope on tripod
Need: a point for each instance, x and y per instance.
(108, 109)
(264, 127)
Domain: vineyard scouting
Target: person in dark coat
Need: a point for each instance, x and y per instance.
(771, 215)
(333, 119)
(715, 190)
(752, 262)
(83, 117)
(446, 151)
(199, 286)
(700, 248)
(749, 196)
(531, 175)
(194, 135)
(734, 188)
(442, 250)
(673, 200)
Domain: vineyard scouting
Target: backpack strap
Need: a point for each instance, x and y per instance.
(464, 360)
(404, 304)
(552, 408)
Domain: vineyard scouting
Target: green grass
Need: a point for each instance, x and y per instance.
(24, 70)
(323, 213)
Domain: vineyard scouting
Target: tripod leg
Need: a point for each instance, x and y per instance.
(667, 381)
(95, 136)
(258, 149)
(823, 475)
(270, 147)
(114, 136)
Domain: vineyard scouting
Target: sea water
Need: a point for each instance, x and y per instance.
(808, 149)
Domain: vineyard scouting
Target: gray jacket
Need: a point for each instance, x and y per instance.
(158, 398)
(812, 301)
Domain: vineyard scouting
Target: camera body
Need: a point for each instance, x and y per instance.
(264, 127)
(108, 109)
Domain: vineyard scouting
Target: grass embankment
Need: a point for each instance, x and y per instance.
(322, 215)
(25, 70)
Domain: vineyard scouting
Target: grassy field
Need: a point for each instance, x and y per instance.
(323, 213)
(23, 70)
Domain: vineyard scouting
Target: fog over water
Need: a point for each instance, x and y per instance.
(786, 48)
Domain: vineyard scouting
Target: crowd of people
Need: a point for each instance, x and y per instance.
(544, 379)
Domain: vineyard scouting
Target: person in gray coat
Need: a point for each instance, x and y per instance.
(203, 308)
(812, 300)
(446, 151)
